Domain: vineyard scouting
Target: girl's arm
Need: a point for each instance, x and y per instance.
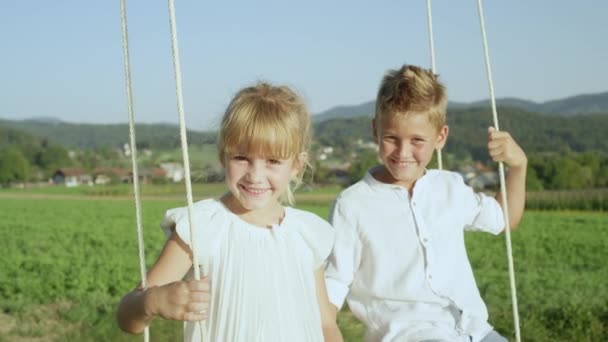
(166, 296)
(329, 312)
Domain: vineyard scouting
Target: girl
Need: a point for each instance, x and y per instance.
(263, 261)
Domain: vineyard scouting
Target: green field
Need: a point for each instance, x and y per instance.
(68, 257)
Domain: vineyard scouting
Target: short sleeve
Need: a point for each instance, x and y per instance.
(346, 254)
(204, 214)
(487, 214)
(319, 237)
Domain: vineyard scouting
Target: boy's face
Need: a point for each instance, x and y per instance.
(407, 143)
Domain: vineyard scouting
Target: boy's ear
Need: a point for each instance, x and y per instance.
(375, 132)
(442, 137)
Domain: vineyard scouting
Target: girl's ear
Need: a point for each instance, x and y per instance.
(299, 163)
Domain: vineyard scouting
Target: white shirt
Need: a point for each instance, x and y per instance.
(262, 280)
(401, 262)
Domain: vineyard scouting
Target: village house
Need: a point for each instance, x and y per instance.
(173, 171)
(72, 177)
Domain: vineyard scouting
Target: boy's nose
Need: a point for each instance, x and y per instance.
(404, 150)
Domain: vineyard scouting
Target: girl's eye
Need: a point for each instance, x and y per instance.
(274, 161)
(239, 158)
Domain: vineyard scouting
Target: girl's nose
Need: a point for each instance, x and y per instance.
(256, 172)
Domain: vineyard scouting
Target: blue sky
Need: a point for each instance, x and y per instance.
(63, 59)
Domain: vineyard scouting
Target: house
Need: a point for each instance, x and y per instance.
(149, 175)
(72, 177)
(106, 175)
(174, 171)
(479, 176)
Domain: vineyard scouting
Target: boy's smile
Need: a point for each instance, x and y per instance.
(407, 143)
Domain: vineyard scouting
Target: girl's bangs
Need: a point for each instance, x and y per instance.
(261, 137)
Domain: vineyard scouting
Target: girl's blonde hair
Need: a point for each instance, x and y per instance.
(412, 89)
(267, 121)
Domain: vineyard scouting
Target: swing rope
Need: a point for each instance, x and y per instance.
(184, 142)
(184, 145)
(501, 169)
(186, 158)
(429, 17)
(132, 140)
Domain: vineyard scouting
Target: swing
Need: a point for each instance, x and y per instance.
(184, 146)
(186, 159)
(501, 168)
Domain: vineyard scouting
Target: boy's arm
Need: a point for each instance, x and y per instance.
(329, 313)
(503, 148)
(345, 256)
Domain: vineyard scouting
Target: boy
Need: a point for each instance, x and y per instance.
(399, 256)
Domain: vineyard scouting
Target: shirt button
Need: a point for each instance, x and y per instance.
(425, 240)
(430, 276)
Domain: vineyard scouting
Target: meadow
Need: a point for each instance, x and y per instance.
(68, 255)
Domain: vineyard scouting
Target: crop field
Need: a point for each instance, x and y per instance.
(68, 258)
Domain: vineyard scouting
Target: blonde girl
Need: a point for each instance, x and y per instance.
(262, 258)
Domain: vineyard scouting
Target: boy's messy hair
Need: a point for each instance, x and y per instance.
(266, 121)
(412, 89)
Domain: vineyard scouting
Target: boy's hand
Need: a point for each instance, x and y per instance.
(503, 148)
(180, 300)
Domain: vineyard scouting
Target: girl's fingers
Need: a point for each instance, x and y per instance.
(202, 297)
(199, 285)
(197, 307)
(196, 316)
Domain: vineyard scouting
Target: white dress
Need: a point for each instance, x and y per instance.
(262, 280)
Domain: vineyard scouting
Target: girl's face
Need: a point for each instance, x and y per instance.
(406, 147)
(256, 182)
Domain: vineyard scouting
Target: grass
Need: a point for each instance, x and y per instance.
(67, 261)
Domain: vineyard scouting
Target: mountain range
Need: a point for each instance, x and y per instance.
(577, 123)
(569, 106)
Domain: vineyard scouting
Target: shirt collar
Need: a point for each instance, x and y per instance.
(375, 184)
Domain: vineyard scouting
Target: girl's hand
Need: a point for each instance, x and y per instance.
(180, 300)
(503, 148)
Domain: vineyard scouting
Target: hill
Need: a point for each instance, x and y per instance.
(159, 136)
(537, 133)
(570, 106)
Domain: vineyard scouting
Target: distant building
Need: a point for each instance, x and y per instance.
(107, 175)
(72, 177)
(173, 171)
(479, 176)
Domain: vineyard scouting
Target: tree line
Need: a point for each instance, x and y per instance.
(563, 152)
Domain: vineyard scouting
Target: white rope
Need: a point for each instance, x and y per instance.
(184, 141)
(429, 17)
(503, 189)
(136, 192)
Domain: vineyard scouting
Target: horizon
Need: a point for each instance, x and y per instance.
(211, 128)
(66, 60)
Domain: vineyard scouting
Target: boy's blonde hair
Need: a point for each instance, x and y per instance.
(270, 122)
(412, 89)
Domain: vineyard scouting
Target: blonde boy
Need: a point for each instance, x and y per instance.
(399, 258)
